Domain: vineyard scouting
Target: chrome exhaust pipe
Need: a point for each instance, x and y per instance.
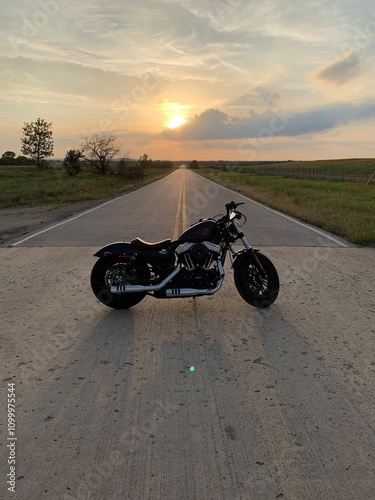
(140, 288)
(172, 292)
(194, 292)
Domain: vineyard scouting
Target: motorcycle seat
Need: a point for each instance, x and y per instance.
(145, 245)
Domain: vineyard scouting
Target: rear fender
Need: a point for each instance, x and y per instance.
(116, 249)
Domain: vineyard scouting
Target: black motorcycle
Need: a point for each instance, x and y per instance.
(190, 266)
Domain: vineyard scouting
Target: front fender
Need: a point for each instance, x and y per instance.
(248, 254)
(115, 249)
(240, 256)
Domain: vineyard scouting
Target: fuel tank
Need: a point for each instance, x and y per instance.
(200, 231)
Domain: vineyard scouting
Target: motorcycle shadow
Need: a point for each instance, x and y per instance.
(79, 411)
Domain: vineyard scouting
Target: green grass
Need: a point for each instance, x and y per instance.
(20, 186)
(343, 208)
(347, 169)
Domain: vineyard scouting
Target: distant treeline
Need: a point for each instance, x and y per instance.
(10, 158)
(236, 165)
(347, 169)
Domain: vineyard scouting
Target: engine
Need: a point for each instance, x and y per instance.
(198, 255)
(199, 265)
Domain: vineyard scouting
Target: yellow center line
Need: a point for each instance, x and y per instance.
(184, 226)
(181, 212)
(177, 221)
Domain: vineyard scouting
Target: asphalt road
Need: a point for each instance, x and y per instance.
(280, 403)
(150, 213)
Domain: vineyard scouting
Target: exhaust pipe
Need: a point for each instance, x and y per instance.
(172, 292)
(105, 296)
(141, 288)
(194, 292)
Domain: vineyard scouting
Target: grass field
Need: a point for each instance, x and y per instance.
(27, 186)
(355, 169)
(343, 208)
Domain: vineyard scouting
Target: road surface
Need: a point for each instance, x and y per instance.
(280, 403)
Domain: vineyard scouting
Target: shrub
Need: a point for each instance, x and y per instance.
(72, 162)
(130, 169)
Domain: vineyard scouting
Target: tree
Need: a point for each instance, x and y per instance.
(9, 155)
(99, 150)
(8, 158)
(22, 160)
(72, 162)
(130, 169)
(193, 164)
(37, 141)
(163, 164)
(144, 161)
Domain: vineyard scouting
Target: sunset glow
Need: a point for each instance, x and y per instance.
(234, 80)
(176, 121)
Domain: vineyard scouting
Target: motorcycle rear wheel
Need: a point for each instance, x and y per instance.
(109, 271)
(257, 290)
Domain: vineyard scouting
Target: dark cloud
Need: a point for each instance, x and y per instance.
(215, 124)
(258, 96)
(210, 124)
(341, 71)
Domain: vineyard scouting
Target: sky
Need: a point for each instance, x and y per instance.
(240, 80)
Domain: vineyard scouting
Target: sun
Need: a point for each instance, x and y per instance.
(176, 121)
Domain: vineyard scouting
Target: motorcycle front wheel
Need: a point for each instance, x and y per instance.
(111, 271)
(255, 288)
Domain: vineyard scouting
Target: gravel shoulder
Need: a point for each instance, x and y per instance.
(17, 222)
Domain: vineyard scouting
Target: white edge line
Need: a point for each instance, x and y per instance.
(76, 217)
(321, 233)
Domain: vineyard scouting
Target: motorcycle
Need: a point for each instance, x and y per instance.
(191, 266)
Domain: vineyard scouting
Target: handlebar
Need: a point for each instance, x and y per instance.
(232, 213)
(232, 206)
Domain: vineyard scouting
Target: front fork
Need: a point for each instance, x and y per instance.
(249, 248)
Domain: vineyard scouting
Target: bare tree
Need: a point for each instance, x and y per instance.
(99, 150)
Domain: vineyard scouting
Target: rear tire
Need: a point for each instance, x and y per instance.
(255, 289)
(110, 270)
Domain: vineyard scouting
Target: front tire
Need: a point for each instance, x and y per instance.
(109, 271)
(255, 289)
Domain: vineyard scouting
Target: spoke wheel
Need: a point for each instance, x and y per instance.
(113, 272)
(255, 288)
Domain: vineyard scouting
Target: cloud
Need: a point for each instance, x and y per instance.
(211, 124)
(91, 63)
(215, 124)
(317, 23)
(341, 71)
(259, 96)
